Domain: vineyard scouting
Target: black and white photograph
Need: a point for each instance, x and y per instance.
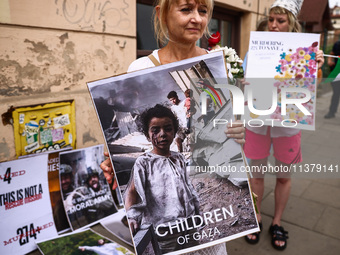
(86, 194)
(177, 194)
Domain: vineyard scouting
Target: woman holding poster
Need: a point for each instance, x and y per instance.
(179, 25)
(285, 141)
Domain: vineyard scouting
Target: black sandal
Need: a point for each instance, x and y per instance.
(257, 236)
(278, 234)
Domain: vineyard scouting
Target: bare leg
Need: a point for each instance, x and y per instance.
(257, 186)
(282, 192)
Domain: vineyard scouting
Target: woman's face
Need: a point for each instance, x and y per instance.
(186, 21)
(278, 22)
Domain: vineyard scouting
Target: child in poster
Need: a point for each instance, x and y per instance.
(160, 179)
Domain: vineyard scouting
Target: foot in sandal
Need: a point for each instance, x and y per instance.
(279, 237)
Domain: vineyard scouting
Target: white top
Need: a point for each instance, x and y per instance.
(180, 112)
(143, 62)
(164, 189)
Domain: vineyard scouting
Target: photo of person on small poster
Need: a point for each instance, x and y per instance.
(86, 194)
(174, 203)
(83, 242)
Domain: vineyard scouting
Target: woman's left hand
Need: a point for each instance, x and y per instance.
(319, 58)
(236, 131)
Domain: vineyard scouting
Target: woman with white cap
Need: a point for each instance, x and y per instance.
(285, 142)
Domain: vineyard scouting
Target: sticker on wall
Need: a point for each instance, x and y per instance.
(21, 118)
(56, 146)
(70, 138)
(32, 138)
(57, 134)
(31, 147)
(41, 122)
(61, 121)
(45, 136)
(31, 128)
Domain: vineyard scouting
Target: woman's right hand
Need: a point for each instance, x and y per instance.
(107, 168)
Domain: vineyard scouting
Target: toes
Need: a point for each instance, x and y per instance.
(252, 237)
(280, 243)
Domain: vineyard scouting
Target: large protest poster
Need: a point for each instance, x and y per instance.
(221, 207)
(282, 72)
(82, 242)
(86, 194)
(25, 208)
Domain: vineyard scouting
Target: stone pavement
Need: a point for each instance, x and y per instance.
(312, 215)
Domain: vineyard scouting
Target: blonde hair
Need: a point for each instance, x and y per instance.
(294, 25)
(161, 30)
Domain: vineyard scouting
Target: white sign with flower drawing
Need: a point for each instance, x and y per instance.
(282, 75)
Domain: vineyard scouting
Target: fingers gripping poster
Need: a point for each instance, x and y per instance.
(25, 207)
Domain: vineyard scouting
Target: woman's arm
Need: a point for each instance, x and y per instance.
(131, 199)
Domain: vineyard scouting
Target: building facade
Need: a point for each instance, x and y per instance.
(50, 49)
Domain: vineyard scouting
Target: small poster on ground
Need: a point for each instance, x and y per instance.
(282, 76)
(117, 224)
(180, 175)
(87, 197)
(82, 242)
(25, 207)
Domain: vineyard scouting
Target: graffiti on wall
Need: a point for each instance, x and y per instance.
(91, 13)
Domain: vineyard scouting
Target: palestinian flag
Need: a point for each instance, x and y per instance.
(335, 74)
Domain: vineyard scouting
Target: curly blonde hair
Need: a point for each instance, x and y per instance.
(160, 28)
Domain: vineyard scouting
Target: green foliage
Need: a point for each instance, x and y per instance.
(70, 244)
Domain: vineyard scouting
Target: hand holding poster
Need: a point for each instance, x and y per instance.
(282, 72)
(175, 196)
(25, 208)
